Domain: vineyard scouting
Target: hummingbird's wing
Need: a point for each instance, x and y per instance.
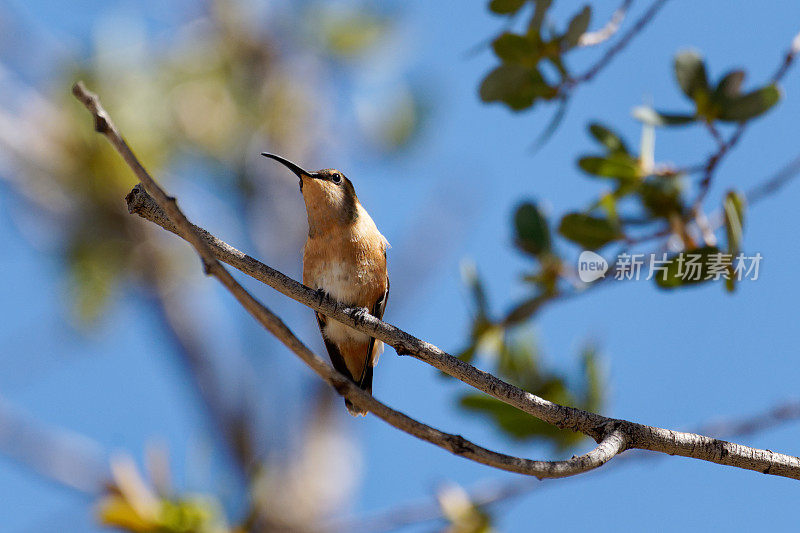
(333, 350)
(377, 311)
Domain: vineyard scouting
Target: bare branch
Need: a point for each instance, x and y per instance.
(591, 424)
(66, 457)
(611, 441)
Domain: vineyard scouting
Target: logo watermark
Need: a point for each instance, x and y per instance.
(683, 266)
(591, 266)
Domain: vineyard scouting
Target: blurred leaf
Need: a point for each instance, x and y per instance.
(607, 138)
(691, 74)
(734, 208)
(658, 118)
(729, 86)
(616, 165)
(577, 27)
(608, 202)
(96, 267)
(535, 25)
(515, 48)
(518, 424)
(589, 231)
(515, 85)
(662, 197)
(464, 516)
(114, 510)
(532, 231)
(750, 105)
(678, 266)
(505, 7)
(595, 381)
(524, 310)
(470, 277)
(350, 34)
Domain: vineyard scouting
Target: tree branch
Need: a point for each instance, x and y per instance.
(593, 38)
(622, 43)
(493, 491)
(611, 441)
(591, 424)
(725, 147)
(614, 435)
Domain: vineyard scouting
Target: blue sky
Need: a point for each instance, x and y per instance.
(673, 359)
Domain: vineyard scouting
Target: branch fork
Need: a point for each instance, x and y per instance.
(614, 436)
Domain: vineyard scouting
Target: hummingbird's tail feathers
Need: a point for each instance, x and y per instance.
(366, 384)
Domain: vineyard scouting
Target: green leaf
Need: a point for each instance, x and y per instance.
(577, 27)
(691, 74)
(729, 86)
(619, 166)
(678, 269)
(535, 25)
(505, 7)
(594, 396)
(515, 85)
(470, 277)
(607, 138)
(514, 48)
(519, 425)
(750, 105)
(524, 310)
(734, 207)
(659, 118)
(662, 197)
(532, 231)
(588, 231)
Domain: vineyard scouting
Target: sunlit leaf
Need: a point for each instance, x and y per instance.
(619, 165)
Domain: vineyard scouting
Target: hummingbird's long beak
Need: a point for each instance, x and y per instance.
(291, 166)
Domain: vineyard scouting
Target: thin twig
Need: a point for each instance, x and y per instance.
(591, 424)
(611, 440)
(622, 43)
(725, 147)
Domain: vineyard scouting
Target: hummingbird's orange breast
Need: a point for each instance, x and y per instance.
(348, 263)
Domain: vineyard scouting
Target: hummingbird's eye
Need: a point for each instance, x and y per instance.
(336, 177)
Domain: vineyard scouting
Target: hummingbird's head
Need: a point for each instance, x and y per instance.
(329, 196)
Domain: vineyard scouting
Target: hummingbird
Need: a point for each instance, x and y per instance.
(345, 258)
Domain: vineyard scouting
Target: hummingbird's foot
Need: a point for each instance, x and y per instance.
(321, 295)
(360, 315)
